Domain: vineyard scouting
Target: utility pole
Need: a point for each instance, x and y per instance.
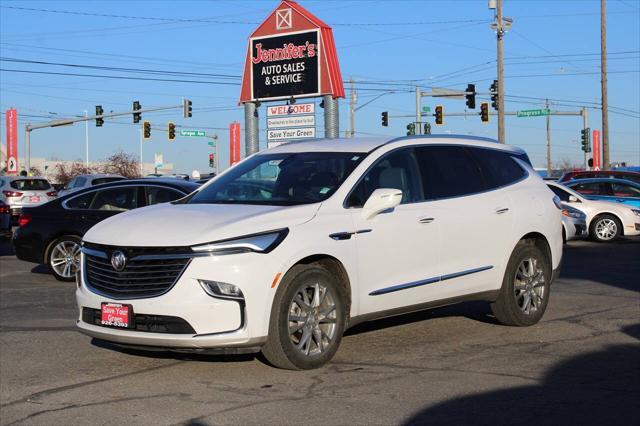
(546, 105)
(603, 71)
(500, 34)
(352, 109)
(418, 111)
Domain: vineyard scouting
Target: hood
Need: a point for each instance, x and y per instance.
(167, 225)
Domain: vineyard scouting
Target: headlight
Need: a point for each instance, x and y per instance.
(636, 212)
(258, 243)
(573, 214)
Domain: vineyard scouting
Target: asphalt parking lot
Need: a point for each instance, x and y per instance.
(454, 365)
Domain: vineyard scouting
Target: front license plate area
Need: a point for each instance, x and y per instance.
(116, 315)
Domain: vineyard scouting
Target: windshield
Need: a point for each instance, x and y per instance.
(284, 179)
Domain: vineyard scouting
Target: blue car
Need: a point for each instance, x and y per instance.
(607, 189)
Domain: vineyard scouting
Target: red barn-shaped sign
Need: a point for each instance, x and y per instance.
(291, 54)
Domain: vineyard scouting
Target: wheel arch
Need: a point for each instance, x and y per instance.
(540, 241)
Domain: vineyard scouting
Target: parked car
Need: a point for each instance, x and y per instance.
(84, 181)
(605, 220)
(51, 233)
(340, 231)
(24, 191)
(5, 220)
(574, 223)
(617, 190)
(617, 174)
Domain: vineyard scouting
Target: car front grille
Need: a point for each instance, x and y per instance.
(148, 271)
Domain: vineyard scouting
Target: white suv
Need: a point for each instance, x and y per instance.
(287, 249)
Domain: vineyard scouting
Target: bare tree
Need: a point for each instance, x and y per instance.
(563, 166)
(63, 173)
(122, 163)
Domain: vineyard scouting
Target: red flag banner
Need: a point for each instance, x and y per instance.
(12, 141)
(234, 143)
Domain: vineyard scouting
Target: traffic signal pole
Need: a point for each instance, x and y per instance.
(585, 125)
(70, 121)
(418, 111)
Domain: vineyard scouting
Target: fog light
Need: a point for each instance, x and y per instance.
(221, 290)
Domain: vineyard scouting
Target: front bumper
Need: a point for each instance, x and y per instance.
(217, 323)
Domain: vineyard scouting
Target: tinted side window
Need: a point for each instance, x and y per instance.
(498, 168)
(81, 202)
(622, 190)
(157, 195)
(397, 170)
(448, 171)
(116, 199)
(80, 182)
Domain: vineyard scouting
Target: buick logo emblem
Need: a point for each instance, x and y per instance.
(118, 260)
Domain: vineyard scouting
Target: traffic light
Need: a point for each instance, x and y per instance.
(439, 115)
(411, 129)
(484, 112)
(494, 94)
(187, 109)
(99, 120)
(211, 160)
(427, 128)
(146, 126)
(385, 119)
(471, 96)
(171, 130)
(137, 115)
(585, 137)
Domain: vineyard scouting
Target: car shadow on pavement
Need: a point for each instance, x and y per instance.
(600, 387)
(584, 262)
(40, 269)
(477, 311)
(167, 354)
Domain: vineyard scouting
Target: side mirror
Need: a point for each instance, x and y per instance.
(573, 199)
(380, 200)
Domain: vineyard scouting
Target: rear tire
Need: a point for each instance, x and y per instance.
(524, 294)
(605, 228)
(63, 257)
(307, 319)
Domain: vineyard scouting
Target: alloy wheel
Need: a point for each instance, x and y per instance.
(529, 286)
(65, 258)
(312, 319)
(606, 229)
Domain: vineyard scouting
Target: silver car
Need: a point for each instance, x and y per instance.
(574, 223)
(25, 191)
(84, 181)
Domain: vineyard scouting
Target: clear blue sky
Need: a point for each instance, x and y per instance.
(552, 51)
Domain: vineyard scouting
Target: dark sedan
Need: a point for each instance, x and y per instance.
(51, 233)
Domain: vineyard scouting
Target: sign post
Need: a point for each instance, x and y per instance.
(12, 141)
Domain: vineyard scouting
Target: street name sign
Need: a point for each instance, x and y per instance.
(192, 133)
(533, 112)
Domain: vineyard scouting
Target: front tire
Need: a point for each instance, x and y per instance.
(63, 257)
(605, 228)
(307, 319)
(525, 288)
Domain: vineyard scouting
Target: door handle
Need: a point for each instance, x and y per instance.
(426, 219)
(503, 210)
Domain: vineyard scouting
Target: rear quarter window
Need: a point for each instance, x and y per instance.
(82, 202)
